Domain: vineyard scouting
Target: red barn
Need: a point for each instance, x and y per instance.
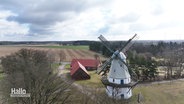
(89, 64)
(78, 71)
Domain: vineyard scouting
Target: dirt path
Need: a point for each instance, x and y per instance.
(61, 68)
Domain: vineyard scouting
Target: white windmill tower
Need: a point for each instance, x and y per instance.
(118, 82)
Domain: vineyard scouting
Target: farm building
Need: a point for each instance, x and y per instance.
(79, 68)
(79, 72)
(89, 64)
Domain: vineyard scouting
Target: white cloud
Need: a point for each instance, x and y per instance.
(80, 20)
(9, 29)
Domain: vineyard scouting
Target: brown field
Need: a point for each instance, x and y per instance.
(68, 53)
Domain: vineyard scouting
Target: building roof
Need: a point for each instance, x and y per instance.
(86, 62)
(79, 72)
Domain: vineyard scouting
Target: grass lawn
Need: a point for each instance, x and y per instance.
(55, 66)
(168, 93)
(93, 82)
(86, 47)
(67, 66)
(1, 73)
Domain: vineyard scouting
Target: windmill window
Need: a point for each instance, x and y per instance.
(113, 80)
(122, 95)
(122, 81)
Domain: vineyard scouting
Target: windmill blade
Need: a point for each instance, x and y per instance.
(127, 47)
(104, 66)
(105, 43)
(127, 43)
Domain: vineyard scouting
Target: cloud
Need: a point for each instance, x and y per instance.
(42, 15)
(82, 19)
(158, 10)
(104, 30)
(10, 29)
(130, 17)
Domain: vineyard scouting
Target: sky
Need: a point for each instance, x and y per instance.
(64, 20)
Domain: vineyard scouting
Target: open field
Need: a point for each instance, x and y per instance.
(6, 50)
(70, 52)
(67, 47)
(167, 93)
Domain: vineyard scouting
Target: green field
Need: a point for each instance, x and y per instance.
(86, 47)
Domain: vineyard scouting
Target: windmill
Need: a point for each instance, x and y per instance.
(118, 81)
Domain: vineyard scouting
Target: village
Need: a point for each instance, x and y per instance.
(84, 70)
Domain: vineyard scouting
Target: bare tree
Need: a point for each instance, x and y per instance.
(29, 69)
(179, 61)
(170, 61)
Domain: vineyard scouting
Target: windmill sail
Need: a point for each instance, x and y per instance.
(127, 43)
(106, 43)
(130, 44)
(104, 66)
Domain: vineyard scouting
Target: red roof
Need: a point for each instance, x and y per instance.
(79, 71)
(87, 62)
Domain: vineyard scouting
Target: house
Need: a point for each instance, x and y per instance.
(79, 72)
(89, 64)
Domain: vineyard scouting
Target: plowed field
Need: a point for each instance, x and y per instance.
(68, 53)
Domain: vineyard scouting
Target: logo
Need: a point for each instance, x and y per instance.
(20, 92)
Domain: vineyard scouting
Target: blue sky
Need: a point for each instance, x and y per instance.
(61, 20)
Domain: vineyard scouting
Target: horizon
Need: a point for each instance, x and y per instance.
(95, 40)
